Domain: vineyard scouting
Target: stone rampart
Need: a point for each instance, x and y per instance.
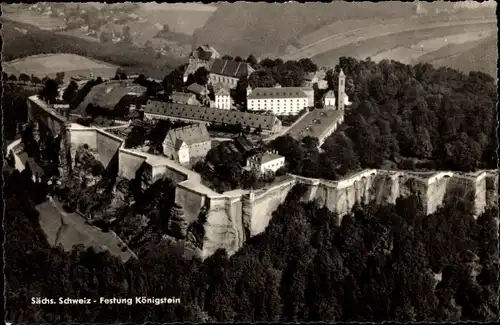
(232, 217)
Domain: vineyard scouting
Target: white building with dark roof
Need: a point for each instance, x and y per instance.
(329, 99)
(227, 73)
(280, 100)
(266, 162)
(223, 72)
(187, 143)
(223, 99)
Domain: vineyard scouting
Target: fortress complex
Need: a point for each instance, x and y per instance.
(229, 219)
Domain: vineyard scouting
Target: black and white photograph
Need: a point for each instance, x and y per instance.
(244, 162)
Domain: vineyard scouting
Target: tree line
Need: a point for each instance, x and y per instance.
(378, 263)
(407, 117)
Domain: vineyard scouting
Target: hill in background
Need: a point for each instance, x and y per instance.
(181, 17)
(245, 28)
(481, 57)
(22, 40)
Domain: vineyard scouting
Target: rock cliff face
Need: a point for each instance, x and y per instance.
(232, 220)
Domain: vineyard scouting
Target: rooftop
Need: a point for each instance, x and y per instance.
(230, 68)
(273, 92)
(315, 124)
(205, 52)
(329, 94)
(208, 114)
(181, 97)
(190, 134)
(196, 88)
(266, 157)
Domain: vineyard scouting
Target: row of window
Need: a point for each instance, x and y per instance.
(224, 79)
(277, 100)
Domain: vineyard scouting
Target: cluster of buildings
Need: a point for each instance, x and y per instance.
(225, 74)
(189, 144)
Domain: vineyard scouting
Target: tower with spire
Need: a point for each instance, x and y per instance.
(341, 97)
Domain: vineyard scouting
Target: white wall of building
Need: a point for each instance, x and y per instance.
(273, 165)
(279, 106)
(222, 101)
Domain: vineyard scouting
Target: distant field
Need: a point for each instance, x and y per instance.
(405, 45)
(36, 19)
(72, 65)
(430, 49)
(482, 57)
(181, 18)
(393, 29)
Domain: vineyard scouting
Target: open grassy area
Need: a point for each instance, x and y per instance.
(50, 64)
(430, 49)
(36, 19)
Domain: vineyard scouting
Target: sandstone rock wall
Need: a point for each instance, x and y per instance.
(223, 230)
(258, 207)
(191, 201)
(230, 221)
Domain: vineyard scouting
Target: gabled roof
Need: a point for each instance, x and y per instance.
(205, 52)
(181, 97)
(230, 68)
(273, 92)
(208, 114)
(189, 135)
(329, 94)
(265, 157)
(222, 92)
(244, 143)
(196, 88)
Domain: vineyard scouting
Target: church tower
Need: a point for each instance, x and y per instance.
(341, 97)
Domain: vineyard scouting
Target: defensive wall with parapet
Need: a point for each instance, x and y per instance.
(232, 217)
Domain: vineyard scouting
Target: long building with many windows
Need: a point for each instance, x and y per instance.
(163, 110)
(280, 100)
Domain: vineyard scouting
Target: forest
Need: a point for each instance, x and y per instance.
(407, 117)
(378, 263)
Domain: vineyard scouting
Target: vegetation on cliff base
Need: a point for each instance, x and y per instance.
(381, 263)
(409, 117)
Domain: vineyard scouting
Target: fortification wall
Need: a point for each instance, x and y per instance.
(129, 163)
(190, 200)
(107, 146)
(174, 175)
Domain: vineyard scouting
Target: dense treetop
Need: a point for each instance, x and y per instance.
(380, 263)
(407, 117)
